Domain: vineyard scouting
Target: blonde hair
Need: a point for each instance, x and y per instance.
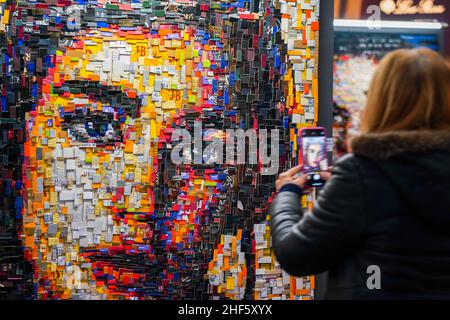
(409, 91)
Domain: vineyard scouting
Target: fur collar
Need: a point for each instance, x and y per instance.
(386, 145)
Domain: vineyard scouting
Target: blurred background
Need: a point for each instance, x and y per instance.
(365, 31)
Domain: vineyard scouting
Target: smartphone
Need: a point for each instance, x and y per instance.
(313, 143)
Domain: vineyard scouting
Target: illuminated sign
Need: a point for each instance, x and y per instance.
(400, 7)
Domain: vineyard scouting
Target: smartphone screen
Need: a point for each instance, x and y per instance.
(314, 154)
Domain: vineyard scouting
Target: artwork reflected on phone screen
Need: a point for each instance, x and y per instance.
(314, 154)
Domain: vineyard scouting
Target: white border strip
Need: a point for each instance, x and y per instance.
(387, 24)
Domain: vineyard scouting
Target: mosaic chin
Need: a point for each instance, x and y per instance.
(102, 85)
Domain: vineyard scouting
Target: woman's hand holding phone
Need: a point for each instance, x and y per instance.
(326, 175)
(292, 176)
(295, 176)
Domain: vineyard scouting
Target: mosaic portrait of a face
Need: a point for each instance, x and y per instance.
(92, 205)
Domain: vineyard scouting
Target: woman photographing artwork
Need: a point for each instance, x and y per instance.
(380, 226)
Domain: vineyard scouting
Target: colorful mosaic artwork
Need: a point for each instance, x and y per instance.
(92, 91)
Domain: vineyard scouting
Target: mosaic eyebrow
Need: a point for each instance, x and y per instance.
(112, 96)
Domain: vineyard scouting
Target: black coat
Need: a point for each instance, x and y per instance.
(386, 205)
